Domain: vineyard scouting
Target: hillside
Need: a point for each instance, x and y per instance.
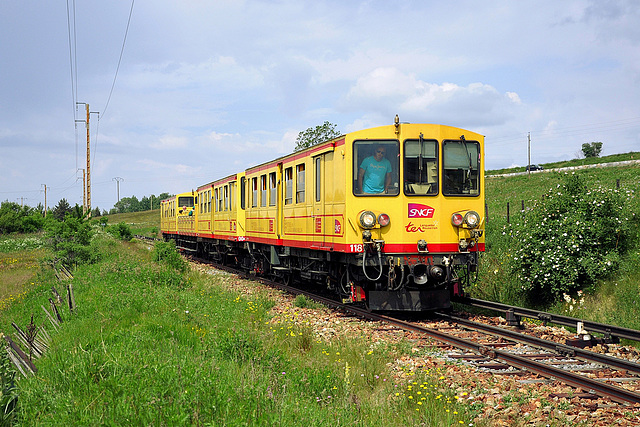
(611, 299)
(145, 223)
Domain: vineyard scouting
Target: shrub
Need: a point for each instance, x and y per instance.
(570, 239)
(70, 241)
(120, 231)
(19, 219)
(166, 253)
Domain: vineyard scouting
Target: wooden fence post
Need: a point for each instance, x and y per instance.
(486, 213)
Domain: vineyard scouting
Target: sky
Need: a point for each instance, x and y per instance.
(185, 92)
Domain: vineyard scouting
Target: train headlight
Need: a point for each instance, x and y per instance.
(367, 219)
(457, 219)
(383, 219)
(472, 219)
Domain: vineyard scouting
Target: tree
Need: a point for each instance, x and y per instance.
(128, 204)
(61, 209)
(316, 135)
(592, 149)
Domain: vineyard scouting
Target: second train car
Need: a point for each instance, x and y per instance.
(389, 216)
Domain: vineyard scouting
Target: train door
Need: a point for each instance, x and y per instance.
(318, 202)
(278, 198)
(323, 220)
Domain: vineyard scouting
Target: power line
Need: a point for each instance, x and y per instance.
(73, 63)
(104, 110)
(71, 13)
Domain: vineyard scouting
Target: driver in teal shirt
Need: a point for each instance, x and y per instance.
(374, 174)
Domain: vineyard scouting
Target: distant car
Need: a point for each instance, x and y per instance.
(534, 168)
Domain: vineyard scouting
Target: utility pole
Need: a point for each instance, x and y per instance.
(529, 153)
(117, 179)
(87, 184)
(45, 200)
(84, 191)
(88, 211)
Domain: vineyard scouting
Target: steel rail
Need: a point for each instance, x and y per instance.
(607, 330)
(561, 349)
(586, 384)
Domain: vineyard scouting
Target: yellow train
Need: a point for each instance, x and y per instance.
(389, 216)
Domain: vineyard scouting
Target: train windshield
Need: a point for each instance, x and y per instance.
(375, 167)
(420, 167)
(185, 201)
(461, 164)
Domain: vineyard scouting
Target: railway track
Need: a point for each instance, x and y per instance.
(504, 351)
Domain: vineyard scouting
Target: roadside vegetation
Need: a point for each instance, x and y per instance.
(574, 249)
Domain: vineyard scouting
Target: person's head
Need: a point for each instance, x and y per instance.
(380, 152)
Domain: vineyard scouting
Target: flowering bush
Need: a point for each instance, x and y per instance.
(570, 238)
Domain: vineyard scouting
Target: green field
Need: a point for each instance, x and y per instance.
(612, 300)
(145, 223)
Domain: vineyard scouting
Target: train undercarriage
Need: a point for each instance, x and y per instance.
(378, 280)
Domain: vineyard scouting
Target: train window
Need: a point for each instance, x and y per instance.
(243, 190)
(215, 204)
(318, 178)
(300, 184)
(376, 167)
(263, 190)
(226, 197)
(232, 196)
(288, 185)
(420, 167)
(272, 189)
(209, 201)
(186, 201)
(254, 192)
(461, 164)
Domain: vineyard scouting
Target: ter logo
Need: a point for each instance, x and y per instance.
(417, 210)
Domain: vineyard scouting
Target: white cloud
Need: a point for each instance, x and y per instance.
(169, 142)
(389, 90)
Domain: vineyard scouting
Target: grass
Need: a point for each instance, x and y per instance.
(151, 345)
(19, 266)
(145, 223)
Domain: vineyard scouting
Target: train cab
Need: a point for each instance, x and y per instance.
(414, 214)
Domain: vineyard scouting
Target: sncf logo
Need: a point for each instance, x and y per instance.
(416, 210)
